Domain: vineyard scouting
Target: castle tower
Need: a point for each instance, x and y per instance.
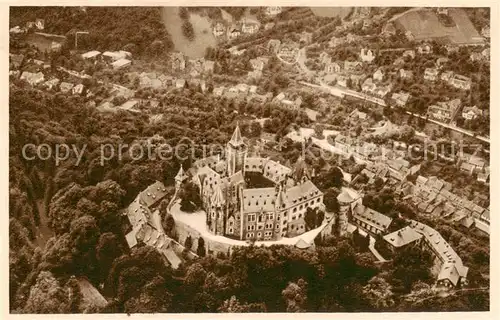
(236, 152)
(345, 200)
(217, 211)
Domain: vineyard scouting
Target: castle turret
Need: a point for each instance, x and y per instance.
(236, 153)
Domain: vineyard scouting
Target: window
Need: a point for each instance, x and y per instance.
(300, 215)
(270, 216)
(230, 223)
(294, 209)
(261, 217)
(259, 234)
(277, 227)
(230, 231)
(251, 218)
(259, 227)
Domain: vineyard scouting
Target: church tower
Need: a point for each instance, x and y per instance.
(236, 152)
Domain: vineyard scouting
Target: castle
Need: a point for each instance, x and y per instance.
(237, 211)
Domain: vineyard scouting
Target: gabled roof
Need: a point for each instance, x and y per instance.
(402, 237)
(217, 198)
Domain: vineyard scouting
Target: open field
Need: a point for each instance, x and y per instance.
(424, 25)
(331, 11)
(203, 34)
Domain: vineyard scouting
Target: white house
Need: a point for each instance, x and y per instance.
(367, 55)
(272, 11)
(470, 113)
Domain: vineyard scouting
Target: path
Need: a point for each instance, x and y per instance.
(371, 246)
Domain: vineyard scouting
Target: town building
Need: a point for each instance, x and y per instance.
(178, 61)
(332, 68)
(444, 111)
(238, 212)
(78, 89)
(401, 98)
(32, 78)
(379, 75)
(470, 113)
(424, 49)
(91, 54)
(431, 74)
(219, 29)
(121, 63)
(66, 87)
(272, 11)
(460, 82)
(249, 26)
(366, 55)
(405, 74)
(52, 83)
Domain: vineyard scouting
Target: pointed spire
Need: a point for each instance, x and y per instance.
(236, 139)
(300, 170)
(180, 175)
(218, 198)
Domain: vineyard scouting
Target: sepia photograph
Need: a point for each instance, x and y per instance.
(218, 159)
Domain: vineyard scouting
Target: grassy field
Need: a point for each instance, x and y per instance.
(424, 25)
(203, 33)
(331, 11)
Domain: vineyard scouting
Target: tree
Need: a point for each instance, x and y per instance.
(188, 30)
(310, 218)
(201, 251)
(233, 305)
(379, 294)
(318, 131)
(188, 243)
(47, 296)
(330, 200)
(190, 197)
(295, 295)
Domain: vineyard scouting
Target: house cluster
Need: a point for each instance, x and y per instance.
(194, 67)
(448, 267)
(38, 24)
(455, 80)
(374, 86)
(242, 92)
(115, 59)
(337, 41)
(433, 196)
(245, 26)
(474, 164)
(147, 230)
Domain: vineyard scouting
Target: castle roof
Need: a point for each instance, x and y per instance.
(153, 194)
(236, 139)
